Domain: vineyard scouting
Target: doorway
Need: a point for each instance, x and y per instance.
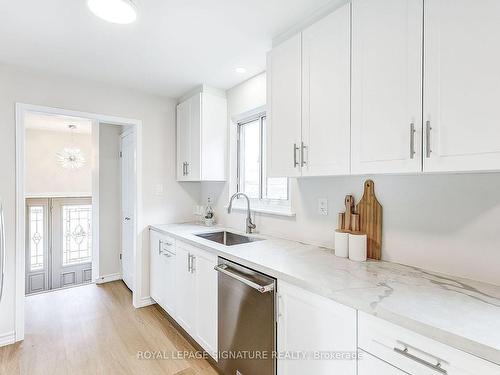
(67, 227)
(58, 243)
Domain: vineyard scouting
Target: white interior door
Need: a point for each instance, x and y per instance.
(128, 207)
(71, 241)
(462, 85)
(386, 86)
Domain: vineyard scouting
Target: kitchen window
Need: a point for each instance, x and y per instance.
(251, 169)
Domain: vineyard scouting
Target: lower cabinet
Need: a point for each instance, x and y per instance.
(196, 281)
(312, 326)
(183, 282)
(412, 353)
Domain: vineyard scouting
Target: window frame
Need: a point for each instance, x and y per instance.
(262, 198)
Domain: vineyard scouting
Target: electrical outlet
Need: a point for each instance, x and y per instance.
(323, 206)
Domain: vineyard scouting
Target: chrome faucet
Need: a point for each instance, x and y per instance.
(249, 225)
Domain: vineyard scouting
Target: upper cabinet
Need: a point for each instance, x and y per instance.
(462, 85)
(386, 126)
(284, 109)
(419, 93)
(326, 95)
(308, 100)
(201, 137)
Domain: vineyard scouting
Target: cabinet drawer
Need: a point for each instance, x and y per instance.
(414, 353)
(167, 244)
(370, 365)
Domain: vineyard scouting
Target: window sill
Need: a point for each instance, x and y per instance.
(265, 209)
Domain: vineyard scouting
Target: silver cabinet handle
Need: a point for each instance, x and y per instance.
(168, 253)
(187, 169)
(412, 140)
(302, 157)
(159, 246)
(428, 129)
(224, 268)
(184, 173)
(189, 263)
(2, 250)
(436, 367)
(193, 264)
(295, 149)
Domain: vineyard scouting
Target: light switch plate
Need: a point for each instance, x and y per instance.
(159, 189)
(323, 206)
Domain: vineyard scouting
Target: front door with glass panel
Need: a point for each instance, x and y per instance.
(59, 251)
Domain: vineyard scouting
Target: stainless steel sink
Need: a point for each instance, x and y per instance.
(227, 238)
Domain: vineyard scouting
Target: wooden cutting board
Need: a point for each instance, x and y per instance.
(370, 212)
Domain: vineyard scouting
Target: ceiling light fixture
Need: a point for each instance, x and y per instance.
(114, 11)
(240, 70)
(71, 157)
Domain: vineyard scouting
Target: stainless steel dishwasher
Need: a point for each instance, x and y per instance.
(247, 320)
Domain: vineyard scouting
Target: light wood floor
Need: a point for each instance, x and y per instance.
(96, 330)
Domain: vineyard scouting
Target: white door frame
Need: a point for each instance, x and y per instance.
(97, 119)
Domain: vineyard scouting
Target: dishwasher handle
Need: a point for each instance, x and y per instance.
(223, 268)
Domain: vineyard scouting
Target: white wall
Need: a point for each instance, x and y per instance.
(445, 223)
(109, 200)
(158, 144)
(45, 177)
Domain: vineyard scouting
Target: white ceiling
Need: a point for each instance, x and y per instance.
(173, 46)
(41, 121)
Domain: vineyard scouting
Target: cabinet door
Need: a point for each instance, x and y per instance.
(386, 86)
(462, 85)
(206, 302)
(326, 67)
(284, 109)
(154, 266)
(370, 365)
(193, 169)
(310, 323)
(186, 288)
(167, 275)
(183, 124)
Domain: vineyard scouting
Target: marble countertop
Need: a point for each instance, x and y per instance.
(461, 313)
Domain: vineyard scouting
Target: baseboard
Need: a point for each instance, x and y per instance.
(108, 278)
(7, 338)
(145, 301)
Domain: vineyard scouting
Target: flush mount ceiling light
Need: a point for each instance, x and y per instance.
(240, 70)
(115, 11)
(71, 157)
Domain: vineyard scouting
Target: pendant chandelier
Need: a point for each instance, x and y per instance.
(71, 157)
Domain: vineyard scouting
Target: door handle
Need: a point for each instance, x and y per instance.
(428, 129)
(295, 149)
(224, 268)
(412, 140)
(436, 367)
(302, 157)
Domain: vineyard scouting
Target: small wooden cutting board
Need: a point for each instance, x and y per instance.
(370, 212)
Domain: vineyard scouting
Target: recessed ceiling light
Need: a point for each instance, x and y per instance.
(115, 11)
(240, 70)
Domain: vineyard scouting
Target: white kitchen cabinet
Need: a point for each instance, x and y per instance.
(370, 365)
(310, 323)
(416, 354)
(201, 137)
(386, 123)
(284, 108)
(462, 85)
(326, 66)
(162, 271)
(185, 280)
(308, 129)
(206, 301)
(196, 281)
(155, 283)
